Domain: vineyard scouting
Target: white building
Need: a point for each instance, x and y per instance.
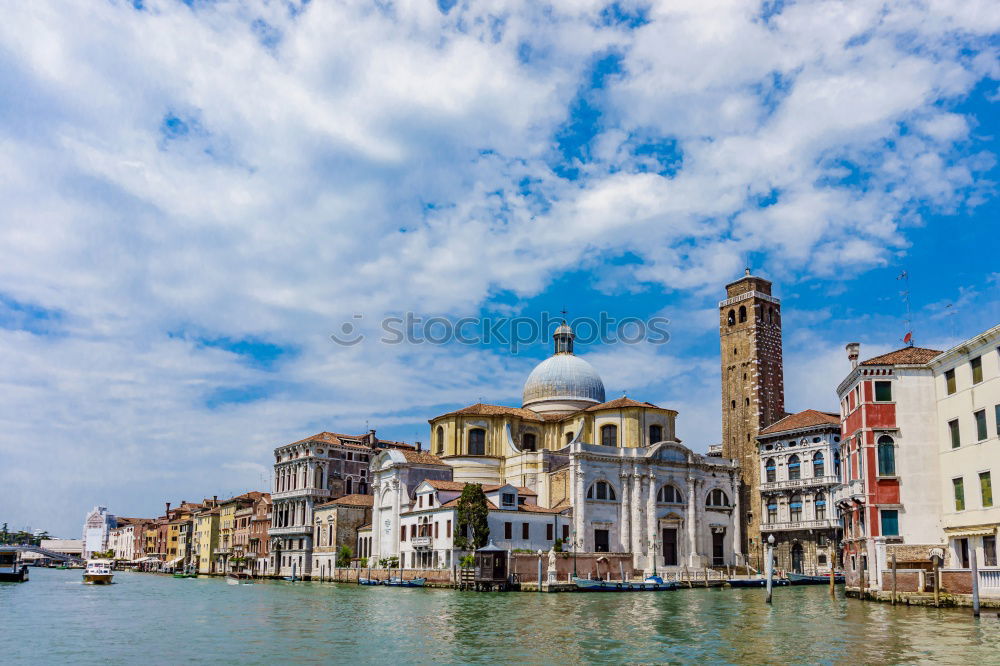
(96, 530)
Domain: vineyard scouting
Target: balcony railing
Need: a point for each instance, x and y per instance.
(293, 529)
(421, 541)
(800, 483)
(301, 492)
(826, 523)
(852, 490)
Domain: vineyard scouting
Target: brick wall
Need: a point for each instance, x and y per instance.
(525, 565)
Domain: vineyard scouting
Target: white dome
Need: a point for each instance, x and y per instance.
(563, 378)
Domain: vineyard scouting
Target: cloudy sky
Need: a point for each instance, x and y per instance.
(194, 196)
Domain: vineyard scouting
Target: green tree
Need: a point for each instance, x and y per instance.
(473, 514)
(344, 556)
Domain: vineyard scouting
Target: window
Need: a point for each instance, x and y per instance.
(669, 495)
(731, 318)
(439, 440)
(717, 498)
(886, 456)
(743, 313)
(507, 499)
(569, 438)
(601, 490)
(794, 471)
(508, 530)
(413, 531)
(996, 418)
(821, 541)
(609, 435)
(402, 533)
(818, 464)
(477, 442)
(565, 532)
(772, 511)
(977, 369)
(548, 531)
(836, 463)
(949, 380)
(436, 529)
(820, 505)
(655, 434)
(986, 489)
(959, 487)
(528, 442)
(990, 551)
(883, 391)
(956, 439)
(890, 522)
(525, 531)
(795, 508)
(447, 529)
(980, 417)
(769, 471)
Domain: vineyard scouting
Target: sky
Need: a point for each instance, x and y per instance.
(196, 195)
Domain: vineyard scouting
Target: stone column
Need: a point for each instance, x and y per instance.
(738, 522)
(636, 515)
(398, 490)
(625, 516)
(692, 519)
(652, 522)
(376, 522)
(579, 505)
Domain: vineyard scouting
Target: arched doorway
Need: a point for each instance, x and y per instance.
(798, 557)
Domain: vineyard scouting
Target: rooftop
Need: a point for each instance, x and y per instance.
(805, 419)
(482, 409)
(619, 403)
(350, 500)
(904, 356)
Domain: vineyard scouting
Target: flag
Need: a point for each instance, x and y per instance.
(908, 338)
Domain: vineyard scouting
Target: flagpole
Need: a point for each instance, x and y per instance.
(908, 336)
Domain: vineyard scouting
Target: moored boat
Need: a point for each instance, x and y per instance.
(755, 582)
(98, 572)
(396, 581)
(12, 570)
(369, 581)
(803, 579)
(650, 584)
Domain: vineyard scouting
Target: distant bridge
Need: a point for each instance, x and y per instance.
(51, 554)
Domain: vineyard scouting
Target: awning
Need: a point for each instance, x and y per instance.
(175, 561)
(148, 558)
(971, 531)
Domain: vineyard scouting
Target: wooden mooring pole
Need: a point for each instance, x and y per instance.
(833, 590)
(937, 581)
(893, 579)
(975, 581)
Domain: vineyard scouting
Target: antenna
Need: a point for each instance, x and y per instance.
(564, 312)
(908, 336)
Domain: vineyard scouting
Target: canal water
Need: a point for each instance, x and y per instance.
(149, 619)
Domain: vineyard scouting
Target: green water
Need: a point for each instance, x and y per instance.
(149, 619)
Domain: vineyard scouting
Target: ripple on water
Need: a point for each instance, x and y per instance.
(57, 618)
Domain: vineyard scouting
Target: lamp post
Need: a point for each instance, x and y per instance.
(769, 565)
(656, 549)
(573, 536)
(539, 569)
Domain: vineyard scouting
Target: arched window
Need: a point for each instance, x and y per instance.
(669, 495)
(770, 315)
(348, 486)
(886, 456)
(731, 318)
(477, 442)
(602, 490)
(795, 508)
(439, 440)
(528, 442)
(609, 435)
(717, 498)
(820, 506)
(770, 471)
(836, 463)
(569, 437)
(794, 468)
(362, 488)
(655, 434)
(743, 313)
(772, 510)
(818, 464)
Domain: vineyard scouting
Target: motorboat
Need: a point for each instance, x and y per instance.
(396, 581)
(649, 584)
(755, 582)
(98, 572)
(803, 579)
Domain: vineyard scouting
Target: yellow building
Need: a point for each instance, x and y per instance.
(563, 403)
(206, 539)
(227, 527)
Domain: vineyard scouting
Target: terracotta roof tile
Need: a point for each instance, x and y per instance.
(803, 419)
(534, 508)
(350, 500)
(482, 409)
(365, 527)
(489, 505)
(618, 403)
(904, 356)
(421, 457)
(446, 485)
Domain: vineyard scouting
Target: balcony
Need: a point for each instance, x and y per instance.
(421, 542)
(317, 493)
(790, 484)
(853, 490)
(293, 530)
(825, 524)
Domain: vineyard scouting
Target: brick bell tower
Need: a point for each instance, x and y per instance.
(753, 392)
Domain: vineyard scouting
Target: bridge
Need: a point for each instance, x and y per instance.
(51, 554)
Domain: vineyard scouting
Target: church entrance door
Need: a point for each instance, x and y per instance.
(670, 546)
(601, 542)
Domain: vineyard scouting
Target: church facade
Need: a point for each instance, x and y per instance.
(615, 468)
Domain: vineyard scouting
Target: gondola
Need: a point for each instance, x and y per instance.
(650, 584)
(803, 579)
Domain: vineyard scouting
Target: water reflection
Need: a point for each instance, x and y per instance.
(205, 620)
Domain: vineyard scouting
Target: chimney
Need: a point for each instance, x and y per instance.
(215, 500)
(419, 446)
(168, 509)
(853, 350)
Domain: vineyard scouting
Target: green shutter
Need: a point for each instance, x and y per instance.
(986, 488)
(959, 494)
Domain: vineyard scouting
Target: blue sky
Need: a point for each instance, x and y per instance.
(197, 194)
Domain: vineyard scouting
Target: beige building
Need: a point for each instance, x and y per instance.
(336, 524)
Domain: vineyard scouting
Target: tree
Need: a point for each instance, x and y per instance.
(473, 518)
(344, 556)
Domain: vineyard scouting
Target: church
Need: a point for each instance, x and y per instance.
(614, 468)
